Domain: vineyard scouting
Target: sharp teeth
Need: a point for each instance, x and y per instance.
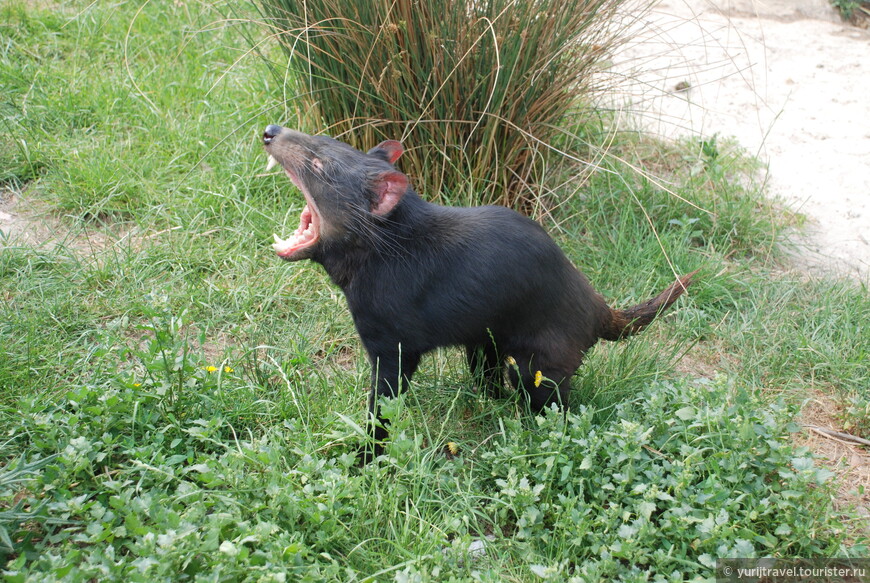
(271, 163)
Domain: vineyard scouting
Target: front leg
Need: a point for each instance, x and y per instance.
(391, 374)
(485, 368)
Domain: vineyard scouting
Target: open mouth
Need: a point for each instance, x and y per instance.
(308, 232)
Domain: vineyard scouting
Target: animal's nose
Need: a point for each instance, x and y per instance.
(270, 133)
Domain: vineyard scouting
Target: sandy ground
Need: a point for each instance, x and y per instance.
(790, 81)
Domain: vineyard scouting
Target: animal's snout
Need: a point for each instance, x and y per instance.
(271, 133)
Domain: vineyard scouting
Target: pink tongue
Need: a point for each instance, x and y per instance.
(304, 220)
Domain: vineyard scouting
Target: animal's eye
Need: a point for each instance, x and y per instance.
(316, 164)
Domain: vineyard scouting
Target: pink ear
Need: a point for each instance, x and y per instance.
(389, 150)
(390, 188)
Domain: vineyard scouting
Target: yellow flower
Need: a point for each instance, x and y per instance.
(453, 447)
(510, 360)
(228, 369)
(211, 368)
(137, 384)
(538, 378)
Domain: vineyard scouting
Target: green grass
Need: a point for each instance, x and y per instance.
(177, 404)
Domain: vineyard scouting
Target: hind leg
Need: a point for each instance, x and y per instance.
(553, 388)
(543, 385)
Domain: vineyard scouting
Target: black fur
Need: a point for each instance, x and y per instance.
(418, 276)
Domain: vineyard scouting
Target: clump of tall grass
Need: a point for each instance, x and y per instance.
(479, 91)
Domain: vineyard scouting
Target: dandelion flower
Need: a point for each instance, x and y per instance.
(538, 378)
(228, 369)
(211, 368)
(511, 361)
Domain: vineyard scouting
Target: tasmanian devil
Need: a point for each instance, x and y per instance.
(418, 275)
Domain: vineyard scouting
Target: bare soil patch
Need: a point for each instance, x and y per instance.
(25, 220)
(19, 223)
(850, 462)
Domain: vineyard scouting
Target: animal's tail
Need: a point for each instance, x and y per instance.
(631, 320)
